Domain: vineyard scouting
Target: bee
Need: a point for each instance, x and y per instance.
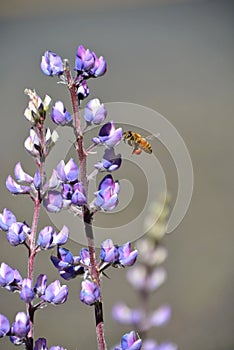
(137, 141)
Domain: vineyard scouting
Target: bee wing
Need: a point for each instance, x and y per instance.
(150, 137)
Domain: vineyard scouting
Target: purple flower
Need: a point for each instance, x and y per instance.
(55, 293)
(6, 275)
(110, 162)
(6, 219)
(15, 188)
(59, 114)
(84, 60)
(32, 144)
(82, 90)
(45, 237)
(27, 294)
(51, 64)
(109, 252)
(107, 194)
(37, 181)
(67, 172)
(53, 202)
(84, 256)
(71, 272)
(74, 194)
(61, 237)
(78, 197)
(10, 278)
(21, 176)
(4, 326)
(126, 256)
(99, 67)
(124, 315)
(160, 316)
(40, 344)
(18, 233)
(48, 238)
(95, 112)
(141, 279)
(67, 264)
(65, 258)
(108, 135)
(40, 285)
(90, 292)
(21, 326)
(131, 341)
(137, 276)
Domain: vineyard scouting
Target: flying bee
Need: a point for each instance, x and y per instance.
(137, 141)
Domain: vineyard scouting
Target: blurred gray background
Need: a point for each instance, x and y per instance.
(175, 57)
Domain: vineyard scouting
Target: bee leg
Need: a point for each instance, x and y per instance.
(135, 148)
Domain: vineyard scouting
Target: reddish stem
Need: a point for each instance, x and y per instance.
(31, 259)
(87, 215)
(32, 238)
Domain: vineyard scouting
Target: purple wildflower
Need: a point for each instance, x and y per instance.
(74, 194)
(6, 219)
(48, 238)
(4, 326)
(53, 202)
(51, 64)
(99, 67)
(107, 194)
(15, 188)
(108, 135)
(124, 315)
(67, 264)
(95, 112)
(20, 174)
(67, 172)
(10, 278)
(55, 293)
(40, 285)
(32, 143)
(27, 294)
(84, 60)
(126, 256)
(160, 317)
(109, 252)
(21, 326)
(59, 114)
(18, 233)
(110, 162)
(90, 292)
(130, 341)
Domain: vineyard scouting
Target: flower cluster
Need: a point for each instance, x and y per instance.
(11, 280)
(19, 331)
(87, 65)
(67, 188)
(146, 277)
(70, 266)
